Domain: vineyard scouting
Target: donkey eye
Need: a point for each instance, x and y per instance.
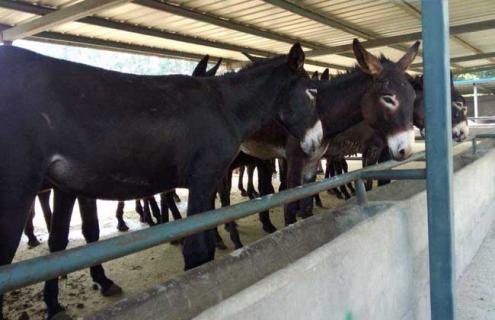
(388, 100)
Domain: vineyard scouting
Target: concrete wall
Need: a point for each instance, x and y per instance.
(486, 106)
(354, 263)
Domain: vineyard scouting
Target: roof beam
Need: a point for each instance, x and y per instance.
(228, 24)
(39, 10)
(328, 20)
(386, 41)
(473, 57)
(412, 10)
(58, 17)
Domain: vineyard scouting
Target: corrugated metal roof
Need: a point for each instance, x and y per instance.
(267, 26)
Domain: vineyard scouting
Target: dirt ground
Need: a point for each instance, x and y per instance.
(133, 273)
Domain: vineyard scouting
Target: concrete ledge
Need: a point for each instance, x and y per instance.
(365, 262)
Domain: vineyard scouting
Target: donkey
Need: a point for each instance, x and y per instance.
(363, 139)
(167, 199)
(377, 92)
(87, 140)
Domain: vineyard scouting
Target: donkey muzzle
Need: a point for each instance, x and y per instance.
(401, 144)
(312, 139)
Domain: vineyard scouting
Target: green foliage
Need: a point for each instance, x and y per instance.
(477, 75)
(117, 61)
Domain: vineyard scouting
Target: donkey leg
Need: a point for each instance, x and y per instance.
(318, 201)
(342, 188)
(155, 209)
(251, 191)
(332, 170)
(140, 211)
(44, 198)
(282, 167)
(164, 207)
(29, 230)
(199, 248)
(175, 196)
(119, 214)
(167, 202)
(265, 186)
(240, 182)
(14, 209)
(231, 227)
(345, 169)
(170, 199)
(147, 213)
(58, 240)
(91, 232)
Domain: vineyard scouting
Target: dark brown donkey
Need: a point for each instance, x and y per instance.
(363, 139)
(377, 92)
(106, 135)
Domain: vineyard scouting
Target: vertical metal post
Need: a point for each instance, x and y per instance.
(362, 199)
(475, 99)
(439, 158)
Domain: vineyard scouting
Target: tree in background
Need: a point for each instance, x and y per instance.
(112, 60)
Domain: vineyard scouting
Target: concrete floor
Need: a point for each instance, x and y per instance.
(476, 288)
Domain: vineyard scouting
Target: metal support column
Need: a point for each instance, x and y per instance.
(475, 99)
(439, 158)
(362, 198)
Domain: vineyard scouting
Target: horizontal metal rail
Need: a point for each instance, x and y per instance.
(481, 136)
(50, 266)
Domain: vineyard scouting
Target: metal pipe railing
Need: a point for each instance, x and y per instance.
(481, 136)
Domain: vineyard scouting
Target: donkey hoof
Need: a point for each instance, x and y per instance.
(177, 242)
(122, 227)
(62, 315)
(244, 193)
(305, 215)
(269, 228)
(32, 243)
(113, 290)
(221, 245)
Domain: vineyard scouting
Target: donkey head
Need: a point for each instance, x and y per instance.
(388, 105)
(460, 128)
(298, 100)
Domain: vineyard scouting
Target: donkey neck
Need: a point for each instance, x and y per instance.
(251, 97)
(339, 101)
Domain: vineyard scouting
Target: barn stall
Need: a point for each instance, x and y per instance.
(325, 29)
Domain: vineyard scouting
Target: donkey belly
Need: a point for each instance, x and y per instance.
(263, 151)
(113, 184)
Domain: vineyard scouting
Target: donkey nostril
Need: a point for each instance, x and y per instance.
(402, 152)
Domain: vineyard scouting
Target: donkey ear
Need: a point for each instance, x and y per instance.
(213, 71)
(200, 69)
(325, 75)
(295, 58)
(409, 56)
(368, 62)
(315, 75)
(251, 57)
